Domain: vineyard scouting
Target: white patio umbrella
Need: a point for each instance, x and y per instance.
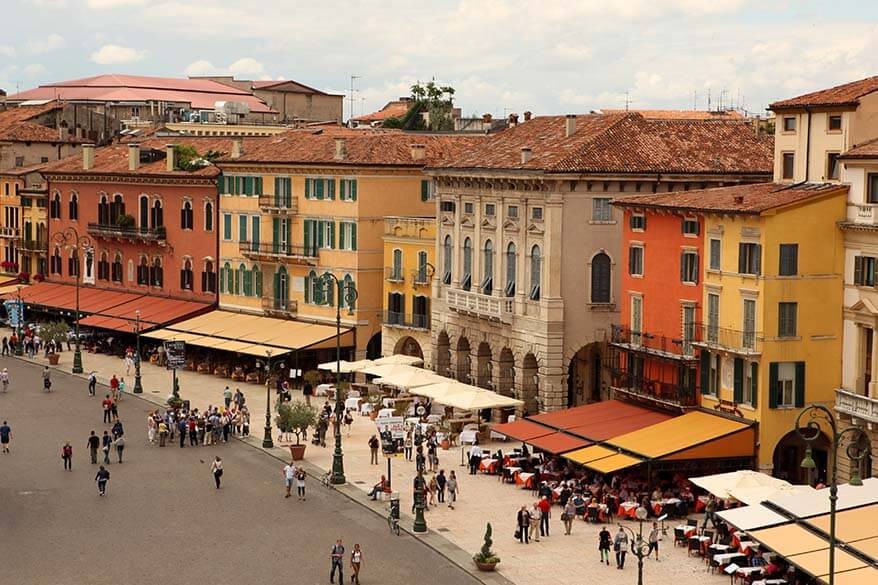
(755, 495)
(346, 366)
(721, 484)
(388, 370)
(400, 360)
(464, 396)
(406, 380)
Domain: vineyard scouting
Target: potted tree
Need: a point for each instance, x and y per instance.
(485, 559)
(296, 417)
(174, 401)
(56, 331)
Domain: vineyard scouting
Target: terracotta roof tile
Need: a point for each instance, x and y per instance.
(624, 143)
(17, 125)
(847, 94)
(750, 199)
(394, 109)
(680, 114)
(868, 149)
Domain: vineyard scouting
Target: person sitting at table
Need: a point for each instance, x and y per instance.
(656, 494)
(565, 494)
(378, 488)
(525, 454)
(774, 569)
(579, 503)
(545, 491)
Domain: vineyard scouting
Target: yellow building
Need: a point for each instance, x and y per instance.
(772, 333)
(298, 206)
(409, 245)
(10, 221)
(23, 217)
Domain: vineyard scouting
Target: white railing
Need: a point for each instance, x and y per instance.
(864, 214)
(854, 405)
(470, 302)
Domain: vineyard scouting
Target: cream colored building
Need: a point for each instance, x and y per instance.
(528, 243)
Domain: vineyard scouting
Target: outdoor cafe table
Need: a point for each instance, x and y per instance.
(719, 548)
(524, 480)
(687, 530)
(488, 466)
(745, 545)
(352, 404)
(747, 571)
(628, 509)
(468, 436)
(658, 506)
(726, 558)
(770, 582)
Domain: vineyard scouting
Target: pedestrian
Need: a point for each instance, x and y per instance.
(117, 429)
(106, 443)
(407, 445)
(604, 541)
(523, 523)
(181, 431)
(420, 465)
(119, 444)
(300, 483)
(348, 422)
(432, 488)
(373, 448)
(121, 389)
(107, 404)
(568, 515)
(192, 428)
(92, 383)
(216, 468)
(163, 433)
(5, 437)
(441, 480)
(227, 397)
(336, 556)
(102, 477)
(114, 386)
(620, 545)
(545, 513)
(356, 563)
(534, 512)
(709, 511)
(93, 444)
(114, 408)
(453, 489)
(5, 346)
(289, 475)
(654, 537)
(67, 456)
(47, 379)
(432, 455)
(475, 457)
(4, 377)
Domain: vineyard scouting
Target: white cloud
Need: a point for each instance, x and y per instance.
(244, 68)
(247, 66)
(117, 54)
(33, 70)
(49, 3)
(50, 43)
(104, 4)
(7, 51)
(202, 67)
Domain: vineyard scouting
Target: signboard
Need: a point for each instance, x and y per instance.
(175, 354)
(394, 424)
(15, 310)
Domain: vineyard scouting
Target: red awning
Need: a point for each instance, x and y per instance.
(63, 296)
(108, 323)
(522, 430)
(558, 442)
(600, 421)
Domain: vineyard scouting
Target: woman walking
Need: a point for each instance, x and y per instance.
(67, 456)
(356, 563)
(300, 483)
(119, 444)
(216, 468)
(604, 541)
(453, 489)
(568, 515)
(432, 488)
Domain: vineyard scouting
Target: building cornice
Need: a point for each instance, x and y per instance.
(132, 180)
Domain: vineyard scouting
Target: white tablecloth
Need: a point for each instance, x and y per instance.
(468, 436)
(366, 408)
(323, 389)
(352, 404)
(385, 413)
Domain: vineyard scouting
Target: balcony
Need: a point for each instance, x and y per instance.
(279, 204)
(279, 307)
(658, 345)
(9, 232)
(856, 406)
(394, 274)
(414, 321)
(33, 246)
(482, 306)
(420, 277)
(277, 251)
(650, 390)
(108, 231)
(747, 343)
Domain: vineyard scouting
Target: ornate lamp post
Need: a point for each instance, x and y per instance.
(639, 547)
(138, 385)
(71, 240)
(420, 497)
(267, 443)
(808, 428)
(19, 346)
(347, 293)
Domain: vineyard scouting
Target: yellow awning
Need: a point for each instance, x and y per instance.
(864, 576)
(850, 525)
(613, 463)
(590, 454)
(817, 563)
(11, 288)
(168, 335)
(789, 539)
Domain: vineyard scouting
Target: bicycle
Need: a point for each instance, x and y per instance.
(393, 516)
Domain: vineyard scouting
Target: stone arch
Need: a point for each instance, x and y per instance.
(789, 453)
(373, 348)
(584, 376)
(443, 354)
(506, 372)
(530, 383)
(463, 360)
(484, 366)
(409, 346)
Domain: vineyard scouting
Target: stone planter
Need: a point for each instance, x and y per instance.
(53, 359)
(297, 452)
(485, 566)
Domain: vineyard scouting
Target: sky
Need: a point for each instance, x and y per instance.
(501, 56)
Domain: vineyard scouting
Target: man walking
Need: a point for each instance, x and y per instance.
(119, 444)
(93, 443)
(621, 546)
(47, 379)
(216, 468)
(523, 522)
(107, 404)
(67, 456)
(654, 536)
(92, 383)
(4, 379)
(106, 443)
(227, 397)
(102, 477)
(5, 437)
(441, 480)
(289, 474)
(545, 512)
(337, 557)
(373, 449)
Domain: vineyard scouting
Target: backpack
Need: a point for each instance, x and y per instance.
(68, 450)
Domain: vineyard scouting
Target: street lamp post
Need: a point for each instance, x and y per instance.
(267, 443)
(19, 345)
(138, 385)
(71, 239)
(347, 294)
(808, 428)
(639, 547)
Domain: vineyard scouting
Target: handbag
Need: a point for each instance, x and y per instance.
(565, 516)
(518, 533)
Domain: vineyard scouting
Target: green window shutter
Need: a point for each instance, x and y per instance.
(257, 281)
(259, 185)
(341, 236)
(739, 381)
(276, 288)
(683, 267)
(758, 259)
(772, 385)
(858, 269)
(308, 188)
(242, 228)
(321, 232)
(254, 229)
(353, 189)
(227, 226)
(308, 234)
(332, 234)
(318, 188)
(425, 189)
(705, 371)
(234, 282)
(754, 380)
(800, 384)
(330, 188)
(742, 255)
(248, 185)
(353, 236)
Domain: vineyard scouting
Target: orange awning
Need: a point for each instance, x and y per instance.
(522, 430)
(154, 312)
(600, 421)
(557, 443)
(63, 297)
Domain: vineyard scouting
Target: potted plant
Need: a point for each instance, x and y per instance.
(296, 417)
(375, 401)
(174, 400)
(23, 277)
(58, 332)
(486, 560)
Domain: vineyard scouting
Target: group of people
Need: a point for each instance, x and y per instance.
(336, 557)
(213, 426)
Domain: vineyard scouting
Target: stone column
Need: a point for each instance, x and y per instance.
(872, 390)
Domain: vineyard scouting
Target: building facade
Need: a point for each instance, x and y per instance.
(23, 229)
(31, 135)
(528, 244)
(409, 268)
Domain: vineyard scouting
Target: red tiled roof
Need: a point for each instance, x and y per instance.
(739, 199)
(394, 109)
(847, 94)
(291, 86)
(864, 150)
(624, 143)
(17, 125)
(680, 114)
(369, 147)
(199, 93)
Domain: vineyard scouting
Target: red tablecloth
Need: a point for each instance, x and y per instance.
(700, 503)
(488, 465)
(627, 510)
(524, 480)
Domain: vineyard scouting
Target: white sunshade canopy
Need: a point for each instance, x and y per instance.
(752, 517)
(807, 504)
(756, 495)
(399, 360)
(346, 366)
(721, 484)
(406, 380)
(388, 370)
(465, 397)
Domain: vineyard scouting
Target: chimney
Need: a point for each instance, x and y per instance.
(513, 120)
(739, 200)
(170, 157)
(341, 150)
(237, 148)
(527, 153)
(528, 115)
(569, 125)
(133, 156)
(487, 120)
(419, 151)
(88, 157)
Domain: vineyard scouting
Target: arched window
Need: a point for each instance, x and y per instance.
(186, 276)
(309, 287)
(535, 273)
(600, 278)
(396, 269)
(422, 266)
(447, 260)
(117, 209)
(208, 216)
(104, 267)
(55, 264)
(511, 268)
(103, 211)
(328, 291)
(245, 281)
(144, 212)
(156, 273)
(257, 280)
(187, 217)
(282, 289)
(73, 206)
(116, 271)
(466, 281)
(73, 263)
(347, 301)
(208, 277)
(55, 207)
(226, 279)
(487, 285)
(157, 219)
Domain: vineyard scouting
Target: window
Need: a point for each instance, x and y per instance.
(157, 218)
(208, 217)
(715, 254)
(512, 212)
(55, 263)
(396, 267)
(535, 273)
(688, 328)
(447, 260)
(187, 217)
(243, 223)
(249, 186)
(789, 124)
(536, 214)
(447, 206)
(156, 274)
(329, 287)
(73, 206)
(834, 123)
(635, 260)
(319, 189)
(227, 226)
(347, 301)
(103, 267)
(468, 208)
(689, 267)
(750, 382)
(511, 269)
(208, 277)
(421, 276)
(257, 280)
(427, 191)
(144, 211)
(789, 260)
(786, 319)
(19, 161)
(636, 318)
(327, 229)
(789, 165)
(347, 189)
(832, 165)
(872, 188)
(466, 279)
(690, 227)
(749, 335)
(637, 222)
(55, 207)
(601, 210)
(143, 271)
(347, 235)
(714, 372)
(864, 270)
(786, 384)
(600, 278)
(749, 258)
(490, 209)
(713, 317)
(116, 269)
(487, 285)
(313, 289)
(226, 279)
(73, 264)
(186, 277)
(245, 281)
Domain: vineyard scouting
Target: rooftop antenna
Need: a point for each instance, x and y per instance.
(695, 100)
(627, 100)
(708, 99)
(362, 106)
(353, 78)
